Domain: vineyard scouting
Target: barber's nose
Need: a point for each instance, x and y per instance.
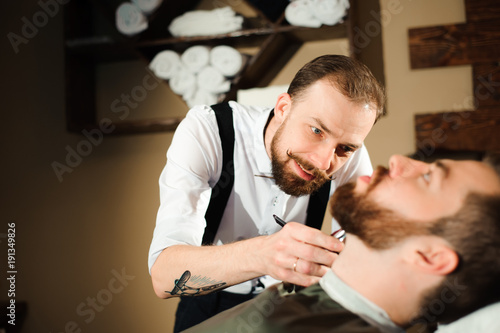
(402, 166)
(323, 159)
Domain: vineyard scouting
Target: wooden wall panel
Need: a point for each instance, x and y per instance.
(458, 44)
(469, 130)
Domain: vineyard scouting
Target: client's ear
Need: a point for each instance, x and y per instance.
(435, 257)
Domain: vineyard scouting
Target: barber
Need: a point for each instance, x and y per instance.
(231, 167)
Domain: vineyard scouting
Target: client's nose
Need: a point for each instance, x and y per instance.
(402, 166)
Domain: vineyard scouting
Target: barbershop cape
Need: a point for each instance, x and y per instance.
(275, 311)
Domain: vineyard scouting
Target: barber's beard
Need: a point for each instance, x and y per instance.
(289, 182)
(378, 227)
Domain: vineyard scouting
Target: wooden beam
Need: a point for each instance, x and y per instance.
(458, 44)
(273, 55)
(365, 25)
(487, 84)
(467, 130)
(79, 72)
(146, 126)
(482, 10)
(141, 126)
(80, 93)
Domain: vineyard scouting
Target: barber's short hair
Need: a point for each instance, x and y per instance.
(474, 233)
(351, 77)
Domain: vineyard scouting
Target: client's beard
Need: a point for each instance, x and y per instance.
(378, 227)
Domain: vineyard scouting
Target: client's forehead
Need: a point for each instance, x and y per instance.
(475, 176)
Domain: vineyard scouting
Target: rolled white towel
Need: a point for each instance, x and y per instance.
(130, 20)
(330, 12)
(195, 58)
(300, 13)
(166, 64)
(226, 60)
(147, 6)
(206, 22)
(202, 97)
(183, 83)
(211, 80)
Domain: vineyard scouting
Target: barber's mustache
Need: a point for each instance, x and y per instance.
(318, 174)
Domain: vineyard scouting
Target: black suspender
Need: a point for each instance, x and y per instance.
(317, 206)
(222, 190)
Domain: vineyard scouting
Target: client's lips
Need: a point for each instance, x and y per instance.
(365, 179)
(375, 177)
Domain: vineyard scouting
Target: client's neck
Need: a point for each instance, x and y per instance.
(373, 274)
(358, 266)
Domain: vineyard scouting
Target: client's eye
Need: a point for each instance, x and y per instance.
(427, 176)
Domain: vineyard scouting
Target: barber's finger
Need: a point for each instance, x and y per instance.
(314, 254)
(310, 268)
(302, 279)
(314, 237)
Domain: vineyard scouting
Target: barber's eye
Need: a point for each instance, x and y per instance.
(315, 130)
(347, 149)
(344, 151)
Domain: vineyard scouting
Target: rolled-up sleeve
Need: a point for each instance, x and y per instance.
(186, 182)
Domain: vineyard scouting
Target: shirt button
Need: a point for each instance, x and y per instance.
(275, 201)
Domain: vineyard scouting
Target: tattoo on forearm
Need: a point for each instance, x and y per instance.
(198, 285)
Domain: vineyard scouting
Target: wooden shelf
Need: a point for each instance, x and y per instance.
(88, 45)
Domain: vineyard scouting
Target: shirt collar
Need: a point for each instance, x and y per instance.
(263, 160)
(353, 301)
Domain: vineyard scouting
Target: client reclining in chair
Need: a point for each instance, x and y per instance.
(422, 245)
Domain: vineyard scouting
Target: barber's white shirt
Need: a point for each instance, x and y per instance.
(194, 166)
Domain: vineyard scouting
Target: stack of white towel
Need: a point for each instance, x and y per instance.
(314, 13)
(206, 22)
(200, 74)
(131, 17)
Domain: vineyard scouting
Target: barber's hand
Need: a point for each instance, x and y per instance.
(298, 254)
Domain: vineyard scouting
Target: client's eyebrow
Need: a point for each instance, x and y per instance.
(443, 167)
